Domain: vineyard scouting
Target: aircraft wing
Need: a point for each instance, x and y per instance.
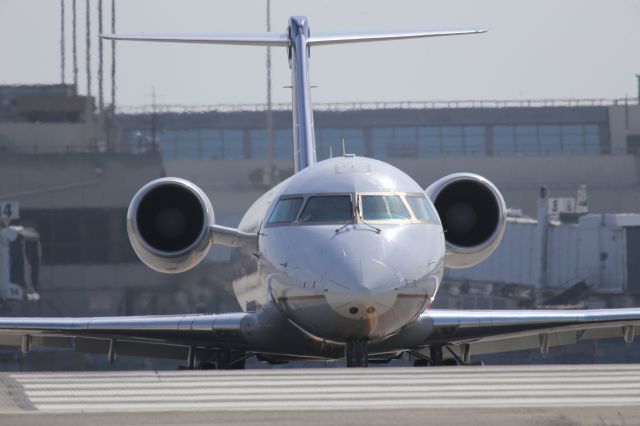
(195, 337)
(164, 336)
(176, 336)
(509, 330)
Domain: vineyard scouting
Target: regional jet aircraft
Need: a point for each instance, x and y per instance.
(341, 260)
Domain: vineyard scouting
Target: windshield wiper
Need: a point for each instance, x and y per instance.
(344, 226)
(378, 230)
(356, 212)
(352, 222)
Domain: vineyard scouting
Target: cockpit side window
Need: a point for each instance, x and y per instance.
(422, 209)
(383, 207)
(286, 210)
(328, 209)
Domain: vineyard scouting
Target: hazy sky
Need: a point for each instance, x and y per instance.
(535, 49)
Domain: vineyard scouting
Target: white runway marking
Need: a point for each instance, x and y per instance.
(328, 389)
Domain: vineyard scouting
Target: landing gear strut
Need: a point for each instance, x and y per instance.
(436, 359)
(355, 352)
(231, 360)
(436, 355)
(217, 359)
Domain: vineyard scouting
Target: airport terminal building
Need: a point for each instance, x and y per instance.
(518, 145)
(74, 171)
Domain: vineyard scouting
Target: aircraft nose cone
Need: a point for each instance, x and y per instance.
(361, 289)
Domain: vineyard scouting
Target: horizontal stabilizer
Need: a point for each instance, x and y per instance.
(320, 39)
(273, 39)
(259, 39)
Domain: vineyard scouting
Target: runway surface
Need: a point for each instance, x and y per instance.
(604, 394)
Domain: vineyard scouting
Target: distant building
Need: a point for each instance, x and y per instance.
(519, 145)
(74, 173)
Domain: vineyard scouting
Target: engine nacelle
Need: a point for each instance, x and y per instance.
(168, 223)
(473, 215)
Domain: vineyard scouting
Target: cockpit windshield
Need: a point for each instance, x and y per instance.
(328, 209)
(339, 209)
(286, 210)
(383, 207)
(422, 209)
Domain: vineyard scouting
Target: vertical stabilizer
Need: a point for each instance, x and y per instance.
(304, 144)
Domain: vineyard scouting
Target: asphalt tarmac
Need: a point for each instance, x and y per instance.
(497, 395)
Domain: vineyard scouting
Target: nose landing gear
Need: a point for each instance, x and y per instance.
(355, 352)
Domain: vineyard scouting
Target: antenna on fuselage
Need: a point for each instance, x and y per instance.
(344, 150)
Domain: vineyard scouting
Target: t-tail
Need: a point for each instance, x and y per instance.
(298, 41)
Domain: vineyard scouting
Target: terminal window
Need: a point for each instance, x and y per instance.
(379, 142)
(428, 142)
(546, 140)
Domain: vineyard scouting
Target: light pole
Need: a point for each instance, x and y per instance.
(271, 172)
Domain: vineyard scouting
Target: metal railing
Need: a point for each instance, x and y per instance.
(371, 105)
(14, 148)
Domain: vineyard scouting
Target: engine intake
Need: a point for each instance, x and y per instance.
(168, 223)
(473, 217)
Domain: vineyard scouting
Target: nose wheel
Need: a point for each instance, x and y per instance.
(355, 352)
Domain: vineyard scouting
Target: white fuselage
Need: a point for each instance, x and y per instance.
(341, 279)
